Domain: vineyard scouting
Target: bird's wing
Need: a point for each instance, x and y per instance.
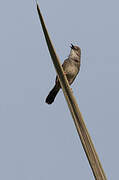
(64, 65)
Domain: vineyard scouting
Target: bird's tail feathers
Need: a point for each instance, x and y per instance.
(52, 94)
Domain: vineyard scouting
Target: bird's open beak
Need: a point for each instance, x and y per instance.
(72, 46)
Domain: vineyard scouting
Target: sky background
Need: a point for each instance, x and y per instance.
(38, 141)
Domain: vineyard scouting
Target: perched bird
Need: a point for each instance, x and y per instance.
(71, 67)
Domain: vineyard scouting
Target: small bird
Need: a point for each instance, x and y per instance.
(71, 67)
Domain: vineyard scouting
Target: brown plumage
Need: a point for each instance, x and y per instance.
(71, 67)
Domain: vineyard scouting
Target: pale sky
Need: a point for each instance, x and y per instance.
(38, 141)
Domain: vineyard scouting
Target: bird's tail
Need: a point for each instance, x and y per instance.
(52, 94)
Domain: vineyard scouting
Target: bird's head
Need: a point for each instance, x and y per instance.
(75, 52)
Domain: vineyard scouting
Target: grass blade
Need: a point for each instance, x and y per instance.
(74, 109)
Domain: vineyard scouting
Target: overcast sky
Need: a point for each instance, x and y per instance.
(38, 141)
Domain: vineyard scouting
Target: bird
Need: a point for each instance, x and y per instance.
(71, 67)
